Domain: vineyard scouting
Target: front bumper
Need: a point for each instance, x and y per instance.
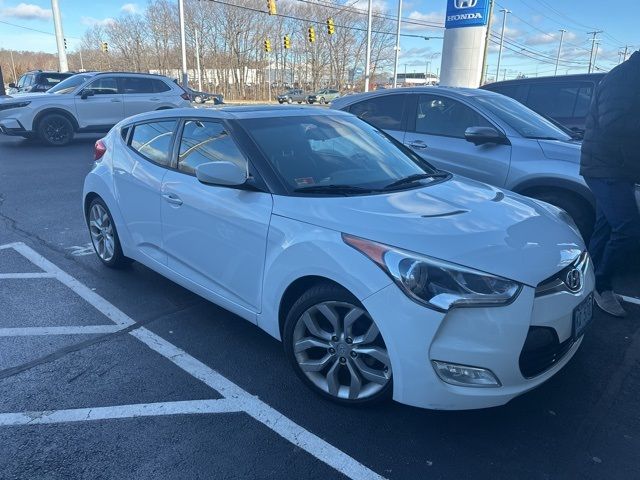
(11, 126)
(490, 338)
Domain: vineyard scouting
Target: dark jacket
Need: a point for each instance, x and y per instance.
(611, 145)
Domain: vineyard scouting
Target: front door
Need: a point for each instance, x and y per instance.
(104, 108)
(435, 130)
(215, 236)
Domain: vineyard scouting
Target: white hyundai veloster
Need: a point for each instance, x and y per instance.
(381, 275)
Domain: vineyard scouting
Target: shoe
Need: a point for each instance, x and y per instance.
(609, 303)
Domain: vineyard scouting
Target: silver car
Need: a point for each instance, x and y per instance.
(484, 136)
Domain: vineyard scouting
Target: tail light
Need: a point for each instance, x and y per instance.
(99, 150)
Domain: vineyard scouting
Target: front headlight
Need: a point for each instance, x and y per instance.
(7, 106)
(435, 283)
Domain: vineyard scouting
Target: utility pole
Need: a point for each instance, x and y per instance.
(57, 24)
(559, 50)
(13, 67)
(81, 61)
(504, 24)
(487, 39)
(395, 62)
(595, 55)
(593, 46)
(367, 67)
(198, 61)
(183, 45)
(624, 55)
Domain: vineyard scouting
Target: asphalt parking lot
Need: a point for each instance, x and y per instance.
(124, 374)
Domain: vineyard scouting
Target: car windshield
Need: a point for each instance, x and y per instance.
(331, 152)
(523, 120)
(69, 85)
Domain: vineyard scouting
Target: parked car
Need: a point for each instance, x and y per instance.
(294, 95)
(381, 275)
(87, 102)
(323, 96)
(202, 97)
(37, 81)
(485, 136)
(565, 99)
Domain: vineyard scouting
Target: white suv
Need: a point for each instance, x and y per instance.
(87, 102)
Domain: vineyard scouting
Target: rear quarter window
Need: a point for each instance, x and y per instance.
(153, 140)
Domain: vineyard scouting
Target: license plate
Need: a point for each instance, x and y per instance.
(582, 316)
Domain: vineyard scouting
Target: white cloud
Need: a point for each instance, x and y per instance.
(26, 11)
(551, 37)
(378, 5)
(90, 21)
(419, 17)
(129, 8)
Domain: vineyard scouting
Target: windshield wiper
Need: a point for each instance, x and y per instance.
(344, 189)
(414, 178)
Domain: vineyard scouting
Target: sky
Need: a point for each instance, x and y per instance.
(531, 35)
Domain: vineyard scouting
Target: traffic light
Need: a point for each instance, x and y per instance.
(271, 7)
(312, 34)
(104, 47)
(287, 41)
(267, 45)
(331, 27)
(65, 43)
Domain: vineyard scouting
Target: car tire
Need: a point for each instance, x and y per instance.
(327, 359)
(322, 101)
(280, 102)
(289, 101)
(102, 230)
(577, 208)
(198, 99)
(55, 129)
(300, 103)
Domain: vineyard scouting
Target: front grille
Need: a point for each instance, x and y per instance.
(542, 350)
(557, 282)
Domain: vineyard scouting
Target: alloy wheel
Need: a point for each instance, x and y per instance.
(56, 131)
(340, 350)
(102, 234)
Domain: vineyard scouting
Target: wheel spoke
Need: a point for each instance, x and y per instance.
(109, 247)
(356, 383)
(378, 353)
(349, 319)
(314, 328)
(333, 383)
(331, 315)
(309, 342)
(369, 336)
(315, 365)
(375, 376)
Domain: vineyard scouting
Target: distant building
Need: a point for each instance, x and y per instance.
(417, 79)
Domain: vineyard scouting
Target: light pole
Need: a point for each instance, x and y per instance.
(183, 45)
(593, 46)
(395, 62)
(504, 24)
(559, 50)
(198, 61)
(367, 67)
(57, 25)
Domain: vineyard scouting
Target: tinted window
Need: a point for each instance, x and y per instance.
(443, 116)
(136, 85)
(70, 84)
(553, 99)
(50, 79)
(584, 101)
(28, 80)
(159, 86)
(153, 140)
(21, 81)
(384, 112)
(104, 86)
(517, 92)
(204, 142)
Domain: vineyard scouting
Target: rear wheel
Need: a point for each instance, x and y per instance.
(198, 99)
(322, 101)
(104, 235)
(55, 129)
(577, 208)
(335, 347)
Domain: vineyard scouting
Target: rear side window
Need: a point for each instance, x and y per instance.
(153, 140)
(159, 86)
(557, 100)
(204, 142)
(104, 86)
(384, 112)
(136, 85)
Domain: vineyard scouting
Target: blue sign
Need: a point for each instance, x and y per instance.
(467, 13)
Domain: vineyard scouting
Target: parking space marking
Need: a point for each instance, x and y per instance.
(235, 397)
(630, 299)
(71, 330)
(19, 276)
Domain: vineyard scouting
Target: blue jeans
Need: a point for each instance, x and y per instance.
(616, 235)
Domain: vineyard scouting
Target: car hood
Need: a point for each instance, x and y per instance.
(30, 96)
(460, 221)
(559, 150)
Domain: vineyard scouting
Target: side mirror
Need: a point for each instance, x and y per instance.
(86, 94)
(12, 85)
(221, 173)
(483, 135)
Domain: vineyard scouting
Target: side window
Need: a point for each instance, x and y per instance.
(159, 86)
(517, 92)
(204, 142)
(384, 112)
(104, 86)
(443, 116)
(153, 140)
(28, 80)
(553, 99)
(584, 101)
(21, 81)
(136, 85)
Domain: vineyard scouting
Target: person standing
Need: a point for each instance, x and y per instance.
(610, 165)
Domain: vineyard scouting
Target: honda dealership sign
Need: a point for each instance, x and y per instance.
(467, 13)
(464, 42)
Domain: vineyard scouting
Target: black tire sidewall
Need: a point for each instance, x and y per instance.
(118, 260)
(318, 294)
(48, 118)
(583, 216)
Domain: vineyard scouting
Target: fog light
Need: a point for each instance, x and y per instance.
(464, 376)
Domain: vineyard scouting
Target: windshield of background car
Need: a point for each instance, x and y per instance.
(523, 120)
(316, 151)
(69, 85)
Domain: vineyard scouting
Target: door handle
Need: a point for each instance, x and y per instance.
(154, 99)
(172, 199)
(418, 144)
(115, 100)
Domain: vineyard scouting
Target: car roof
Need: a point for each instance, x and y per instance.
(561, 78)
(451, 91)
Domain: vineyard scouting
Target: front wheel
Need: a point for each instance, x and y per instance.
(55, 130)
(322, 101)
(335, 347)
(289, 101)
(104, 235)
(198, 99)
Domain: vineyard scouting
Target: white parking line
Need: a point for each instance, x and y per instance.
(70, 330)
(189, 407)
(240, 399)
(19, 276)
(630, 299)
